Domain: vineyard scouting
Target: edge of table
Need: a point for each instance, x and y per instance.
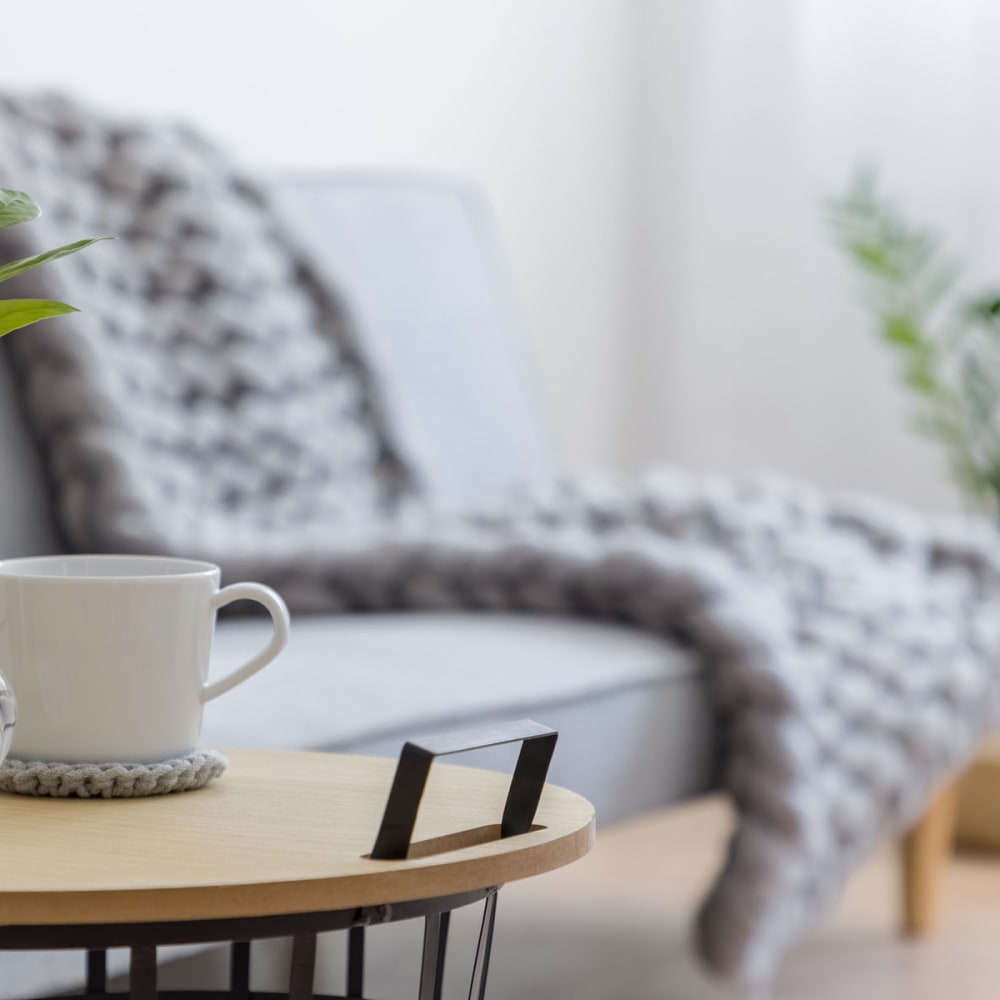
(225, 852)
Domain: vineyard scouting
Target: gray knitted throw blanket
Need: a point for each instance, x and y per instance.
(209, 401)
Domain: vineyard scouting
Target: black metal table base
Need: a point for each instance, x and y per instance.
(303, 928)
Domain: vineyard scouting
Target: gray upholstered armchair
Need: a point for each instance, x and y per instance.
(416, 263)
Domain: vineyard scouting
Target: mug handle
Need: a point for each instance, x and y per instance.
(279, 637)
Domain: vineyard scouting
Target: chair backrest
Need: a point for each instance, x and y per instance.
(416, 263)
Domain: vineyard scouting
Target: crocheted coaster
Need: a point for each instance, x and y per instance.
(111, 781)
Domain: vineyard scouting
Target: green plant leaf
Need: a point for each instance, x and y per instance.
(16, 267)
(986, 307)
(947, 343)
(900, 330)
(876, 259)
(16, 206)
(15, 313)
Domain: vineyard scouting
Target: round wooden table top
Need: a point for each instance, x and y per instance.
(280, 832)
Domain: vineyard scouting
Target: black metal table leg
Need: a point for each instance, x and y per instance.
(239, 971)
(97, 971)
(144, 939)
(484, 946)
(300, 980)
(432, 963)
(142, 973)
(355, 963)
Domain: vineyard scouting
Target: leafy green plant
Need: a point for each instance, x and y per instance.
(947, 342)
(15, 207)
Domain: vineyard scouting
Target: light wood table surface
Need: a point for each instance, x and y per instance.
(277, 845)
(279, 832)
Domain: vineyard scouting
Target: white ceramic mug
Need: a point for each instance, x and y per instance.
(108, 656)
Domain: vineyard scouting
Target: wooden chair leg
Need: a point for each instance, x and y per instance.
(925, 850)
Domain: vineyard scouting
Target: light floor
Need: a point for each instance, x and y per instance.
(620, 931)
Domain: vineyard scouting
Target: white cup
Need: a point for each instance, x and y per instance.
(108, 656)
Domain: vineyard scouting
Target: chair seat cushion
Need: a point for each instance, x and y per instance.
(622, 700)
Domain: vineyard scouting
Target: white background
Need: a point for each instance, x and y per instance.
(657, 170)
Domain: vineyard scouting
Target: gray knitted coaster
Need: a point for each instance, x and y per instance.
(111, 781)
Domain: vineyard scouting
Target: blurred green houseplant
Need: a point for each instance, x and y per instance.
(15, 207)
(947, 341)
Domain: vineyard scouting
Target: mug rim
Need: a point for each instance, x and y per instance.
(62, 567)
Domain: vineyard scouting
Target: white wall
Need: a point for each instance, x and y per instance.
(758, 353)
(657, 169)
(532, 100)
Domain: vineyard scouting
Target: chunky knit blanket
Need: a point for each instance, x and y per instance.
(210, 400)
